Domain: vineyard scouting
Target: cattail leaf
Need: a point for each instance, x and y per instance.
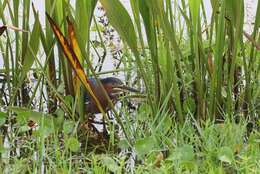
(75, 46)
(73, 40)
(32, 49)
(84, 12)
(257, 19)
(74, 61)
(194, 9)
(3, 117)
(121, 21)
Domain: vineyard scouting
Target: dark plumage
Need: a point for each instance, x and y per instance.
(113, 86)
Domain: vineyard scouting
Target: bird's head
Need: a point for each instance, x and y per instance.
(115, 87)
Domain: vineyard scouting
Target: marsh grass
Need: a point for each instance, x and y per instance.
(199, 111)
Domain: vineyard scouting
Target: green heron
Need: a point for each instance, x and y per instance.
(113, 86)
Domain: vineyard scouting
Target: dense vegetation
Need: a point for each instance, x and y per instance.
(199, 75)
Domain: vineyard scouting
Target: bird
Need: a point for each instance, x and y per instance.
(114, 88)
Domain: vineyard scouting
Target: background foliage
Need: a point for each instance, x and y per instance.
(199, 73)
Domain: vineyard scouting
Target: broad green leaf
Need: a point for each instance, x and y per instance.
(185, 153)
(58, 121)
(45, 121)
(23, 129)
(123, 144)
(69, 100)
(225, 154)
(2, 118)
(185, 156)
(46, 127)
(24, 115)
(110, 164)
(68, 126)
(72, 144)
(145, 145)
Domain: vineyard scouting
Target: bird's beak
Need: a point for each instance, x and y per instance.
(126, 88)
